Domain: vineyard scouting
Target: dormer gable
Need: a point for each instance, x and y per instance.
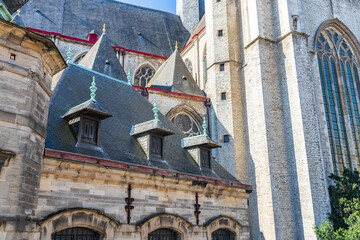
(151, 135)
(85, 120)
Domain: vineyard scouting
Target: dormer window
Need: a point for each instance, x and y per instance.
(85, 120)
(151, 136)
(199, 147)
(89, 131)
(205, 158)
(156, 147)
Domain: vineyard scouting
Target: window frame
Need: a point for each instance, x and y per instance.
(81, 130)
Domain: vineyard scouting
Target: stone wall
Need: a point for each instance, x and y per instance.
(27, 64)
(69, 188)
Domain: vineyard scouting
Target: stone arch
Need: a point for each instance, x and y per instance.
(337, 65)
(189, 111)
(168, 221)
(143, 65)
(343, 29)
(87, 218)
(223, 222)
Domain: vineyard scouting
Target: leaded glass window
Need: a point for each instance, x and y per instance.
(187, 124)
(340, 84)
(143, 75)
(76, 233)
(164, 234)
(222, 234)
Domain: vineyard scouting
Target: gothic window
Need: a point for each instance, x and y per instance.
(187, 124)
(143, 75)
(340, 84)
(205, 67)
(80, 57)
(76, 233)
(164, 234)
(189, 65)
(222, 234)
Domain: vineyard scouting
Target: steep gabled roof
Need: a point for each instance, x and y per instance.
(127, 108)
(174, 76)
(131, 27)
(101, 58)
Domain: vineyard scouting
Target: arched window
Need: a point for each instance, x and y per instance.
(143, 75)
(164, 234)
(187, 124)
(189, 65)
(340, 84)
(222, 234)
(80, 57)
(76, 233)
(205, 66)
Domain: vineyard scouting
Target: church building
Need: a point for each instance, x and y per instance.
(220, 122)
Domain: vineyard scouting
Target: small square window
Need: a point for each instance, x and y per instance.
(220, 33)
(223, 96)
(205, 158)
(12, 56)
(226, 138)
(222, 67)
(156, 146)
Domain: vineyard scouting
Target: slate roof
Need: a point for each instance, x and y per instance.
(128, 108)
(18, 21)
(170, 77)
(131, 27)
(14, 5)
(101, 58)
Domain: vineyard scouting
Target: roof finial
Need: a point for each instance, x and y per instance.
(104, 28)
(69, 54)
(156, 110)
(204, 126)
(129, 78)
(93, 89)
(176, 46)
(18, 11)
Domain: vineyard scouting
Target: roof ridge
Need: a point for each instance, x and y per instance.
(100, 74)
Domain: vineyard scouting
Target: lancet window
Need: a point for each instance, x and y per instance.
(340, 84)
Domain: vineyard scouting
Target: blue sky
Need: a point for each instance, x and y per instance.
(164, 5)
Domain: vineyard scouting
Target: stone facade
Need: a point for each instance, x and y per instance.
(279, 111)
(27, 64)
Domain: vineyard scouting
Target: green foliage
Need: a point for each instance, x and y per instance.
(347, 187)
(344, 221)
(352, 223)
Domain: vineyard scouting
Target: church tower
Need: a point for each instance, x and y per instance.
(190, 12)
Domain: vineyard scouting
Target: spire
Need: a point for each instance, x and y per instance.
(204, 126)
(156, 110)
(104, 28)
(129, 78)
(69, 54)
(176, 46)
(18, 20)
(93, 89)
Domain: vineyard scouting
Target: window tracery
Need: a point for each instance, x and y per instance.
(189, 65)
(143, 75)
(80, 57)
(186, 123)
(340, 84)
